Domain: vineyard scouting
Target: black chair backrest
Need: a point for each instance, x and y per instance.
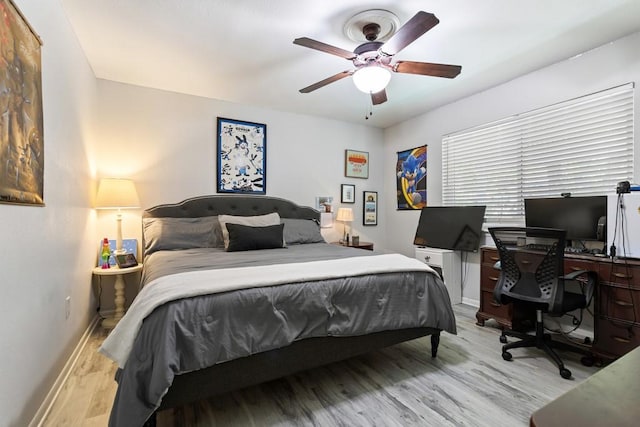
(532, 266)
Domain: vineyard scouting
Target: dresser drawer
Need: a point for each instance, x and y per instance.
(493, 308)
(571, 265)
(488, 278)
(619, 302)
(619, 273)
(616, 338)
(490, 256)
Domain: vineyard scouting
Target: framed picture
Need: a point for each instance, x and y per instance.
(242, 157)
(411, 178)
(324, 203)
(348, 193)
(126, 260)
(356, 164)
(21, 120)
(370, 208)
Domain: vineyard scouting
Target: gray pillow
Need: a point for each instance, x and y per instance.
(247, 238)
(181, 233)
(301, 231)
(252, 221)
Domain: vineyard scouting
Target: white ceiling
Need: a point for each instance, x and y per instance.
(242, 51)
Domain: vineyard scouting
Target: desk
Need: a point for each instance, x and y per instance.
(617, 301)
(119, 300)
(607, 398)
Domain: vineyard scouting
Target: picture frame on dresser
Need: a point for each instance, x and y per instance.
(241, 157)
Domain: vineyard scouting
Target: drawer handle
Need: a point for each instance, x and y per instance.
(576, 268)
(427, 258)
(623, 304)
(623, 276)
(494, 258)
(495, 304)
(525, 261)
(620, 339)
(493, 279)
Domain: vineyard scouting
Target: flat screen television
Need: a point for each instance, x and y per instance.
(578, 215)
(450, 227)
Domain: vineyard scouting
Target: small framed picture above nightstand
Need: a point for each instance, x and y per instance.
(347, 193)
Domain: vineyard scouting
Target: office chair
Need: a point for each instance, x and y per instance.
(532, 277)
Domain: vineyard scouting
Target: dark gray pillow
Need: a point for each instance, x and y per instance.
(181, 233)
(300, 231)
(247, 238)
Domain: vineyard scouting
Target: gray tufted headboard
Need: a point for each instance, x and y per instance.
(242, 205)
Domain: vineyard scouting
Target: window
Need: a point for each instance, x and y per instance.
(583, 146)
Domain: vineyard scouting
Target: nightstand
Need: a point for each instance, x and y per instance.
(119, 300)
(361, 245)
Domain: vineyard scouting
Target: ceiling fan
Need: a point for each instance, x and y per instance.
(373, 59)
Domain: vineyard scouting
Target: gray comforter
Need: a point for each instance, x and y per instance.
(198, 332)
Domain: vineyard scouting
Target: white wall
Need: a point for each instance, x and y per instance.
(610, 65)
(166, 143)
(45, 254)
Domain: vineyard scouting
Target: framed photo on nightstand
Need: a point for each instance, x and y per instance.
(126, 260)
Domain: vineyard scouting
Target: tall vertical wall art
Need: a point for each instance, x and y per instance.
(21, 124)
(242, 157)
(411, 178)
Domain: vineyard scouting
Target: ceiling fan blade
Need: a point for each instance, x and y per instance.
(427, 69)
(326, 81)
(323, 47)
(409, 32)
(379, 97)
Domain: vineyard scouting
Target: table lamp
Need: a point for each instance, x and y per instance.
(345, 215)
(116, 193)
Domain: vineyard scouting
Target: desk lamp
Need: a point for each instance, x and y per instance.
(116, 193)
(345, 215)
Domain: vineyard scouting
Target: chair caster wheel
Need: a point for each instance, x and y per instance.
(507, 356)
(587, 360)
(565, 373)
(503, 339)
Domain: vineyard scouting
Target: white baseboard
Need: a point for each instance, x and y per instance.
(51, 397)
(471, 302)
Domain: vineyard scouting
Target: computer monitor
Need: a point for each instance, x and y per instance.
(578, 215)
(450, 227)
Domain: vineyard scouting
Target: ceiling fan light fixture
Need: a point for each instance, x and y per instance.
(371, 79)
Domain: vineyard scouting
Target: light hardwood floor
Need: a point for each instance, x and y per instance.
(468, 384)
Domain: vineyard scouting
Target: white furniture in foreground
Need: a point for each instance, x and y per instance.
(111, 322)
(448, 263)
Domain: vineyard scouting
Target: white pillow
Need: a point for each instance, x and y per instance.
(251, 221)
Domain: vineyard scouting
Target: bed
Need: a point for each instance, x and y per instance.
(238, 290)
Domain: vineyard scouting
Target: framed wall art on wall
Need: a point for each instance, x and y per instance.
(21, 121)
(356, 164)
(411, 178)
(241, 157)
(347, 193)
(370, 208)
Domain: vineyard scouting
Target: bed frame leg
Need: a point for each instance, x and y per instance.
(435, 342)
(151, 422)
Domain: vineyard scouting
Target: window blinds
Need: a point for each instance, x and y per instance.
(583, 146)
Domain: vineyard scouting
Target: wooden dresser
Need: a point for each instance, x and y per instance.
(617, 301)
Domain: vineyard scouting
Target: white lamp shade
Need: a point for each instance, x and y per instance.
(345, 214)
(116, 193)
(371, 79)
